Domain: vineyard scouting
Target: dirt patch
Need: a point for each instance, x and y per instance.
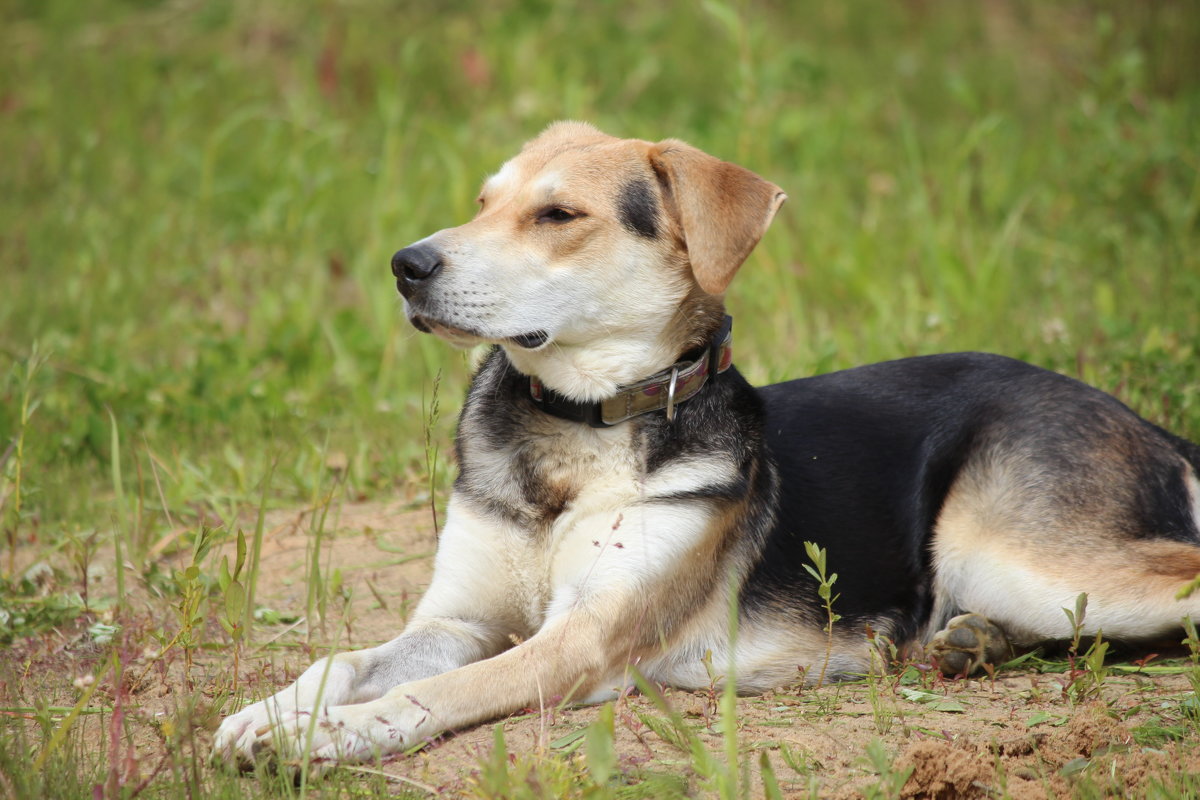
(1092, 743)
(1017, 736)
(941, 770)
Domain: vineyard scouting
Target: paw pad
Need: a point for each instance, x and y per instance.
(968, 642)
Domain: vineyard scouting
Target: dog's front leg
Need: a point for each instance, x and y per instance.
(466, 614)
(561, 661)
(623, 581)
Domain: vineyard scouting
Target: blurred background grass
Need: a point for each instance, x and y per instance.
(198, 201)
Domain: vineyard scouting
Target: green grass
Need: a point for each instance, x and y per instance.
(198, 201)
(201, 199)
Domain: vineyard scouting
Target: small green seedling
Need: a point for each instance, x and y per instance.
(1085, 673)
(825, 581)
(233, 591)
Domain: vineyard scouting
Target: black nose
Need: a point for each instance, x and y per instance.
(415, 264)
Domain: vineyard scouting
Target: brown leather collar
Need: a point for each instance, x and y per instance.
(665, 390)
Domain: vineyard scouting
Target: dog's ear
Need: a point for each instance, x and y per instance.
(722, 209)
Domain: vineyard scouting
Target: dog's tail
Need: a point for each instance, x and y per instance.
(1189, 450)
(1191, 454)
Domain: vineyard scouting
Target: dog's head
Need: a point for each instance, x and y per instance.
(593, 261)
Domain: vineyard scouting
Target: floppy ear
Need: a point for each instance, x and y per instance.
(723, 209)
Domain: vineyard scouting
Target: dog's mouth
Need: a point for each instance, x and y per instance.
(452, 333)
(532, 340)
(458, 335)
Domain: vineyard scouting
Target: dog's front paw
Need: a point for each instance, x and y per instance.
(347, 734)
(966, 643)
(234, 741)
(326, 683)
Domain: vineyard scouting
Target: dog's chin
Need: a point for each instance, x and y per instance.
(462, 337)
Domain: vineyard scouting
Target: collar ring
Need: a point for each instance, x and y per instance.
(671, 394)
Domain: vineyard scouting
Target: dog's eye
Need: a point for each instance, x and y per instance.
(557, 214)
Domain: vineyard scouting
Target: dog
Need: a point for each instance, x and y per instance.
(621, 488)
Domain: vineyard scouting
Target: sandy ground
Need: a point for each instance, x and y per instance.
(1016, 734)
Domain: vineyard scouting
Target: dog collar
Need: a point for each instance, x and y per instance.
(676, 384)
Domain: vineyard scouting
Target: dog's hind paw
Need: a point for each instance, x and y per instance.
(966, 643)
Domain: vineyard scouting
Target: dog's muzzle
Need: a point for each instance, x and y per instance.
(414, 266)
